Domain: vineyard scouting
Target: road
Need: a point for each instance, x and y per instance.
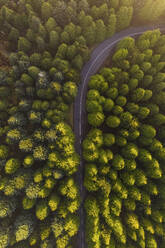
(98, 56)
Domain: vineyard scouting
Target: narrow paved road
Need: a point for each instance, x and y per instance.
(98, 56)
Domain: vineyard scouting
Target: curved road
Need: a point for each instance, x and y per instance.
(98, 56)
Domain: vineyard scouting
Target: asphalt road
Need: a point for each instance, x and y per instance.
(98, 56)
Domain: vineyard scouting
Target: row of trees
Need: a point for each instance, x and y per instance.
(124, 147)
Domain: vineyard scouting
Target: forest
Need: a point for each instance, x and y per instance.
(44, 45)
(124, 147)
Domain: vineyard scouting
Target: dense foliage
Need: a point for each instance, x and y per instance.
(124, 147)
(49, 41)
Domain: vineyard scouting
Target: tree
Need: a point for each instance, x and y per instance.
(40, 44)
(23, 227)
(42, 210)
(53, 201)
(109, 139)
(147, 131)
(34, 23)
(33, 72)
(112, 92)
(69, 91)
(100, 31)
(68, 188)
(14, 35)
(26, 145)
(97, 82)
(61, 51)
(77, 62)
(96, 119)
(32, 190)
(24, 45)
(93, 94)
(7, 207)
(90, 34)
(5, 237)
(118, 162)
(46, 11)
(3, 152)
(57, 226)
(114, 3)
(83, 5)
(71, 225)
(119, 55)
(132, 221)
(124, 17)
(35, 59)
(28, 203)
(111, 26)
(138, 94)
(12, 165)
(65, 38)
(28, 161)
(113, 121)
(130, 151)
(71, 30)
(121, 100)
(61, 64)
(93, 106)
(40, 153)
(107, 74)
(53, 39)
(50, 24)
